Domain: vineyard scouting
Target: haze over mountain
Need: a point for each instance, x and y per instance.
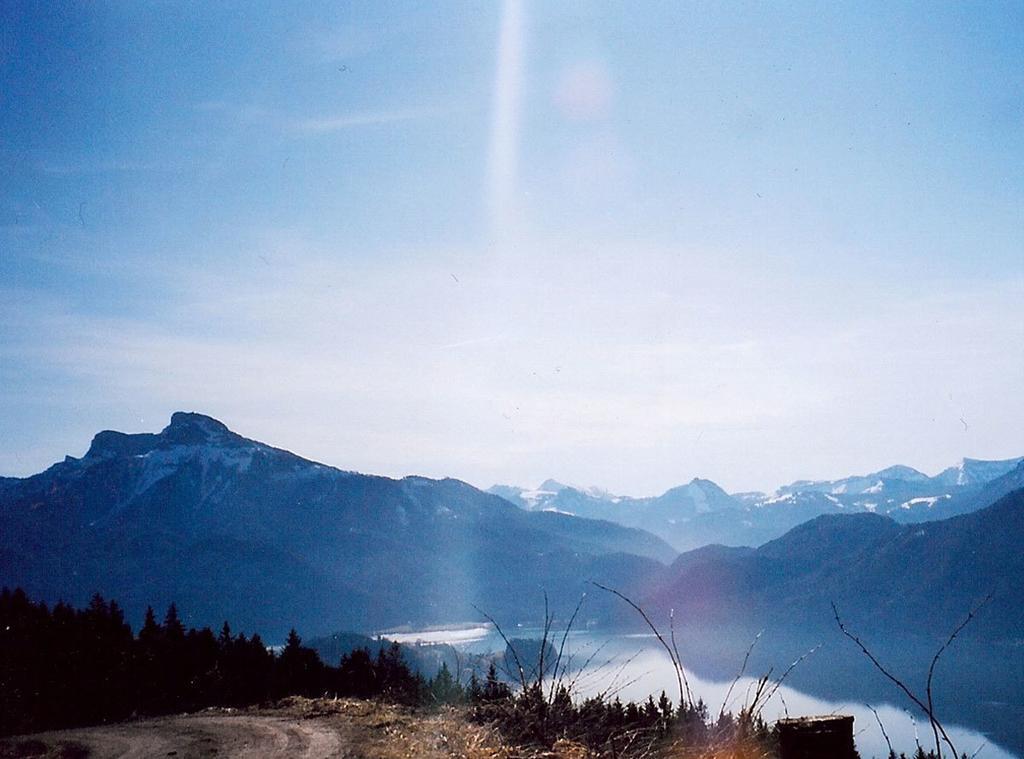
(701, 513)
(903, 588)
(230, 528)
(902, 579)
(227, 527)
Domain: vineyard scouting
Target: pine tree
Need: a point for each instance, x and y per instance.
(443, 688)
(299, 669)
(665, 707)
(357, 675)
(150, 631)
(173, 628)
(616, 712)
(495, 689)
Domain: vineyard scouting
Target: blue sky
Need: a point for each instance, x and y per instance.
(619, 244)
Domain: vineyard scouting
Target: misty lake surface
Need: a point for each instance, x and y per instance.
(635, 666)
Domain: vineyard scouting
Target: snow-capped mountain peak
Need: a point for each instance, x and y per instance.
(700, 512)
(552, 486)
(976, 471)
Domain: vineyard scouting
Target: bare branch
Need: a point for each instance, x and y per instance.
(757, 704)
(743, 668)
(617, 689)
(548, 620)
(936, 725)
(878, 665)
(781, 680)
(613, 686)
(657, 634)
(519, 664)
(555, 678)
(882, 728)
(675, 650)
(935, 659)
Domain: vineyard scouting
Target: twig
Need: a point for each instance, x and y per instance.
(882, 728)
(675, 650)
(519, 664)
(759, 702)
(561, 648)
(657, 634)
(935, 660)
(781, 680)
(586, 663)
(743, 668)
(548, 619)
(613, 686)
(936, 725)
(614, 690)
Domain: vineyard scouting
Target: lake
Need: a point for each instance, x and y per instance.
(634, 666)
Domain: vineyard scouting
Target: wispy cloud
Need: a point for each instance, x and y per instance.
(105, 167)
(567, 362)
(337, 123)
(248, 113)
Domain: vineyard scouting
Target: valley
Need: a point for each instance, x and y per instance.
(230, 528)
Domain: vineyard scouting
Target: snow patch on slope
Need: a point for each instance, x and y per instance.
(929, 501)
(163, 462)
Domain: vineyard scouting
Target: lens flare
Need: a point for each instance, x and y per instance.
(504, 143)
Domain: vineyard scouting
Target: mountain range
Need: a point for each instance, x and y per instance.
(902, 588)
(701, 513)
(883, 575)
(230, 528)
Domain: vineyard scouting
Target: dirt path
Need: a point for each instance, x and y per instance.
(199, 735)
(299, 729)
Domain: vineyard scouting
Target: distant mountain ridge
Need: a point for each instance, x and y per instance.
(230, 528)
(977, 471)
(917, 578)
(701, 512)
(671, 515)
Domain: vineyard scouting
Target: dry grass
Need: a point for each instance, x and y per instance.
(385, 731)
(378, 730)
(364, 730)
(724, 751)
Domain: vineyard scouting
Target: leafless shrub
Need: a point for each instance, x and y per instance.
(927, 704)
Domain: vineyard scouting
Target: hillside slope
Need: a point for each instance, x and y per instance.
(231, 528)
(884, 576)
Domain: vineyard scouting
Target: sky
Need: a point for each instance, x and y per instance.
(618, 244)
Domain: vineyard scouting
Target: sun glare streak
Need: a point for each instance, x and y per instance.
(504, 143)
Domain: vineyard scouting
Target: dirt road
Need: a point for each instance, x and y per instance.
(201, 735)
(299, 729)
